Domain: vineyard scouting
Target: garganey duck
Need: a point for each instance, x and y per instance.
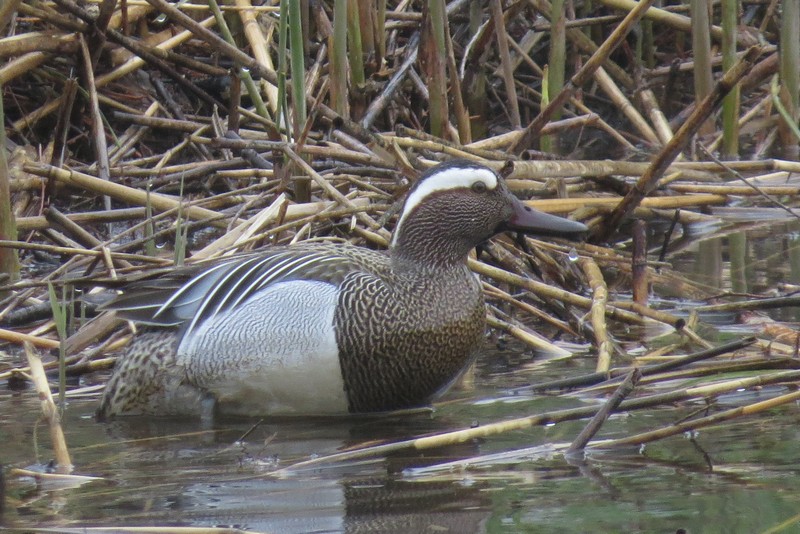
(324, 329)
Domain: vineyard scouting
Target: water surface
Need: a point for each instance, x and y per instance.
(740, 476)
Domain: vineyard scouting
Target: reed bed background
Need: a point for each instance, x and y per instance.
(143, 135)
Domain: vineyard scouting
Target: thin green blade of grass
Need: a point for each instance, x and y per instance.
(60, 318)
(788, 120)
(181, 232)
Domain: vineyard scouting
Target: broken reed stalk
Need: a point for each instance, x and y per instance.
(597, 313)
(694, 424)
(524, 335)
(98, 129)
(49, 410)
(625, 388)
(545, 291)
(122, 192)
(461, 436)
(118, 529)
(18, 337)
(750, 304)
(79, 251)
(592, 379)
(581, 77)
(640, 281)
(649, 180)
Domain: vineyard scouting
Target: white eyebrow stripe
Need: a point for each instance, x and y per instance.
(451, 178)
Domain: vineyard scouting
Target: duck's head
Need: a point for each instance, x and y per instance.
(456, 206)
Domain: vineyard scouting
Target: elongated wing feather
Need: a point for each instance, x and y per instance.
(187, 298)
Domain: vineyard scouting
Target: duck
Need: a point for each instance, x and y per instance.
(324, 329)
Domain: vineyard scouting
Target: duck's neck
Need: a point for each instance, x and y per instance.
(418, 244)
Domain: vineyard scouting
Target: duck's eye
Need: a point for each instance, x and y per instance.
(479, 187)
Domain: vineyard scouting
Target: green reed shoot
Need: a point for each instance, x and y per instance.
(790, 74)
(9, 261)
(437, 67)
(557, 58)
(730, 104)
(338, 57)
(59, 308)
(701, 48)
(354, 45)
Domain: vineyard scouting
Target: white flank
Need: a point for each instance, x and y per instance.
(275, 353)
(450, 178)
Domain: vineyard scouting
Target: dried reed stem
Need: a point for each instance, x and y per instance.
(49, 410)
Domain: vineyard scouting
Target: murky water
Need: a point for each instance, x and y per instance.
(741, 476)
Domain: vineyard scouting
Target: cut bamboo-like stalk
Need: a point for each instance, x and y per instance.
(624, 389)
(18, 337)
(462, 436)
(681, 138)
(259, 46)
(694, 424)
(50, 411)
(597, 313)
(623, 104)
(128, 67)
(657, 118)
(582, 76)
(121, 192)
(529, 338)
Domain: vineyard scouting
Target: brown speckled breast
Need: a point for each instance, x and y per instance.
(398, 347)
